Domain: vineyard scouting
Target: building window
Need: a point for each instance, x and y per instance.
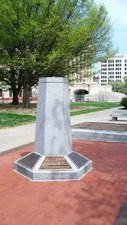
(118, 76)
(110, 72)
(118, 64)
(103, 81)
(103, 65)
(118, 61)
(104, 69)
(103, 73)
(103, 77)
(111, 76)
(110, 68)
(110, 65)
(110, 61)
(118, 68)
(118, 72)
(103, 61)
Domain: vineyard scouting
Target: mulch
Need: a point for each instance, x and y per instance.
(101, 126)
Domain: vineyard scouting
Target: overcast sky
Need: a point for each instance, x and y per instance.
(117, 10)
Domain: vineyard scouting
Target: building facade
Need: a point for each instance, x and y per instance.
(114, 69)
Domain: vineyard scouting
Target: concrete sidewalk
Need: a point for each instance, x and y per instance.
(25, 134)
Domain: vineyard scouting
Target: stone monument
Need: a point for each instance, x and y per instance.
(53, 157)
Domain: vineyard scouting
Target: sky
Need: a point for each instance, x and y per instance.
(117, 10)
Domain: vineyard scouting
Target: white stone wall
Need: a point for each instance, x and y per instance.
(96, 92)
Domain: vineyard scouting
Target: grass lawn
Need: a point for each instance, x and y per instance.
(86, 107)
(8, 119)
(12, 116)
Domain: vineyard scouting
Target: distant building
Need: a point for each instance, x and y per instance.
(113, 69)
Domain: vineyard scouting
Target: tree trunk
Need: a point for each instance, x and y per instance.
(26, 97)
(15, 100)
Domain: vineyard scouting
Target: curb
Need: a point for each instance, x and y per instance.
(99, 135)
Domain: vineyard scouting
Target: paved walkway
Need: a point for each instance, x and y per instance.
(20, 135)
(94, 200)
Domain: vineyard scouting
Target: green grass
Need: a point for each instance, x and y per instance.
(87, 107)
(8, 119)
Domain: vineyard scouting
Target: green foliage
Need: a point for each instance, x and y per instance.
(116, 86)
(123, 102)
(41, 37)
(120, 86)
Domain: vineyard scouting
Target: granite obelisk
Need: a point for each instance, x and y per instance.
(53, 130)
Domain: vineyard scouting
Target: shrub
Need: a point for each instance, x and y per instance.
(124, 102)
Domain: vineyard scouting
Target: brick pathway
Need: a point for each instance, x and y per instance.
(94, 200)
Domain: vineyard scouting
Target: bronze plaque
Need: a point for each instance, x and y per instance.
(55, 162)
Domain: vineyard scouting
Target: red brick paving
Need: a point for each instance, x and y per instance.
(94, 200)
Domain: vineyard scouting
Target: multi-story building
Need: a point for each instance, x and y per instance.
(114, 69)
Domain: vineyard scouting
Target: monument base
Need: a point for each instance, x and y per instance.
(37, 167)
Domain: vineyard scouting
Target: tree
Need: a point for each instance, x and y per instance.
(50, 38)
(123, 102)
(116, 86)
(120, 86)
(11, 77)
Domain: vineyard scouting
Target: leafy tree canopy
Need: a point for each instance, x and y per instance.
(51, 38)
(45, 37)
